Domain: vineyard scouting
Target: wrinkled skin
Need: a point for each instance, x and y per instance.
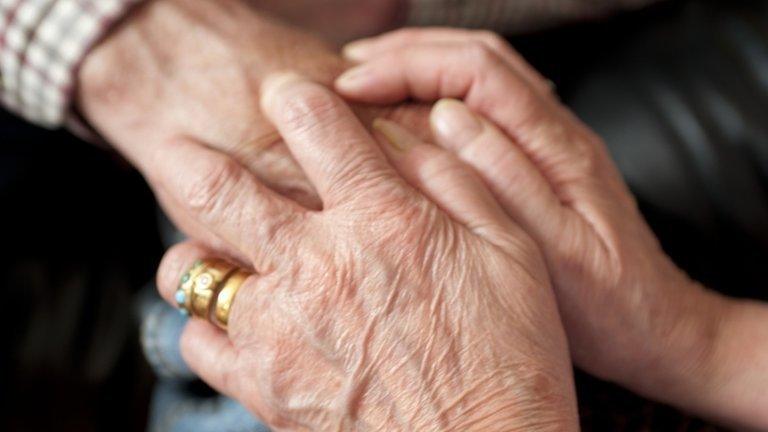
(191, 70)
(384, 311)
(176, 90)
(631, 315)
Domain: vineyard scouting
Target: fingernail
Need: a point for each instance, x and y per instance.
(453, 121)
(276, 81)
(357, 50)
(397, 136)
(353, 78)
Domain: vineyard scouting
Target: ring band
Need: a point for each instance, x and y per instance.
(206, 284)
(208, 290)
(225, 298)
(199, 286)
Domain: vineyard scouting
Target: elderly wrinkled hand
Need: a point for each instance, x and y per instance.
(390, 308)
(190, 71)
(630, 314)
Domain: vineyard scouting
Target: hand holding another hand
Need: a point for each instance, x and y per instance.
(176, 90)
(630, 314)
(180, 72)
(385, 310)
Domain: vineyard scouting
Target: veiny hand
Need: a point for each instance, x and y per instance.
(189, 71)
(631, 315)
(383, 311)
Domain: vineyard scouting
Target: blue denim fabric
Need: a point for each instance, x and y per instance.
(174, 408)
(161, 330)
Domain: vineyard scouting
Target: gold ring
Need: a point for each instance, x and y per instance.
(208, 290)
(183, 294)
(225, 298)
(200, 285)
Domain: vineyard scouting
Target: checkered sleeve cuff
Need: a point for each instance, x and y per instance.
(42, 43)
(509, 15)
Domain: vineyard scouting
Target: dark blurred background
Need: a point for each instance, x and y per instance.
(679, 91)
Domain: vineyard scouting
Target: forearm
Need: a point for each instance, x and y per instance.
(713, 361)
(738, 368)
(155, 55)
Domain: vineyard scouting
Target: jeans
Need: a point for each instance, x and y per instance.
(175, 407)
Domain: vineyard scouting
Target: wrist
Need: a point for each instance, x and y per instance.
(52, 38)
(691, 348)
(508, 417)
(490, 393)
(697, 350)
(682, 364)
(533, 397)
(100, 71)
(735, 375)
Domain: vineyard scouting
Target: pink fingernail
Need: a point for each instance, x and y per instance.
(454, 122)
(398, 137)
(356, 51)
(353, 79)
(275, 82)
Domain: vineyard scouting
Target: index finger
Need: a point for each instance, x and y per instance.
(368, 49)
(573, 161)
(338, 154)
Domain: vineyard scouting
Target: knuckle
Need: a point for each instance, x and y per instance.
(407, 34)
(277, 234)
(207, 193)
(492, 39)
(359, 174)
(382, 203)
(482, 54)
(521, 248)
(309, 107)
(587, 159)
(530, 114)
(442, 164)
(444, 169)
(584, 158)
